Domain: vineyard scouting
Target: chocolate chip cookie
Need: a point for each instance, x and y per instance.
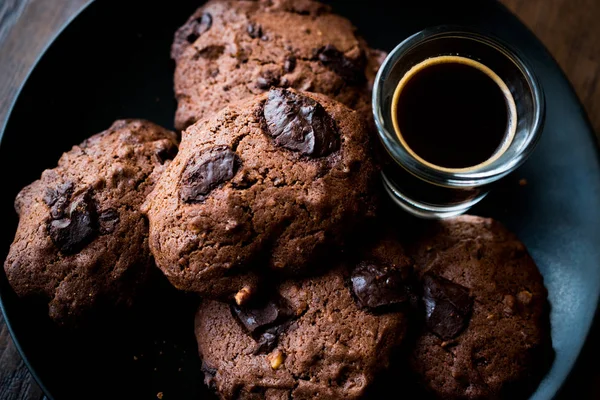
(486, 332)
(311, 338)
(82, 242)
(230, 49)
(274, 181)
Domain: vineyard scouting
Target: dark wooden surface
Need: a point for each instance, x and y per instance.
(569, 28)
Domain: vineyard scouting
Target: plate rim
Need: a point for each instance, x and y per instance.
(51, 40)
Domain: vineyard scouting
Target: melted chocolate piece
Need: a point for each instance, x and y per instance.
(198, 26)
(265, 323)
(254, 30)
(299, 123)
(289, 64)
(268, 340)
(58, 199)
(258, 319)
(379, 285)
(165, 153)
(108, 220)
(267, 79)
(448, 306)
(205, 171)
(351, 71)
(75, 225)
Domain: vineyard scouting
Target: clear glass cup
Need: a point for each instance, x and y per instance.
(429, 191)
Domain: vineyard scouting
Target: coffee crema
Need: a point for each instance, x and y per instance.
(453, 113)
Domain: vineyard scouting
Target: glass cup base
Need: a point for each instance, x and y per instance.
(424, 210)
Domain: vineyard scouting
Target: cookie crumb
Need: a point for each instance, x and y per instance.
(522, 182)
(159, 395)
(135, 358)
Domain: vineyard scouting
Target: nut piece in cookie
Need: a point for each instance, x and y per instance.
(82, 242)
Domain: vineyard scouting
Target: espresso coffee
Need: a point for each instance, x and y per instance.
(452, 112)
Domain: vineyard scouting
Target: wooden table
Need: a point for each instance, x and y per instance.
(569, 28)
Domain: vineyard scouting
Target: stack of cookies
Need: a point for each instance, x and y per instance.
(269, 209)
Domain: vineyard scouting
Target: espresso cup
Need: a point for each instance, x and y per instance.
(436, 166)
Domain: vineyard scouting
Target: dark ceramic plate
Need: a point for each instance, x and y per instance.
(113, 62)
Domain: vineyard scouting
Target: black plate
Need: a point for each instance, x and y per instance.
(113, 62)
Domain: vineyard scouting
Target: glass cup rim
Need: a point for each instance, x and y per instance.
(470, 177)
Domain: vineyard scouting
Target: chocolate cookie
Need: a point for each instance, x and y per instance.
(275, 180)
(486, 332)
(311, 338)
(230, 50)
(82, 241)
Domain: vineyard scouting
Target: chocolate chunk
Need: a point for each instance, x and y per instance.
(268, 340)
(165, 153)
(77, 225)
(254, 30)
(206, 171)
(259, 318)
(265, 322)
(58, 199)
(447, 306)
(299, 123)
(267, 79)
(351, 71)
(53, 194)
(380, 285)
(198, 26)
(289, 64)
(108, 220)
